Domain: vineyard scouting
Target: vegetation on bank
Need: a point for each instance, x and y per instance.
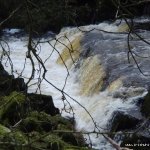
(31, 121)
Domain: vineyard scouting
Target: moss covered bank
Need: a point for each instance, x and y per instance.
(31, 121)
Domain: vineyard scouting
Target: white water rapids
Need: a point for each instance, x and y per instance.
(100, 105)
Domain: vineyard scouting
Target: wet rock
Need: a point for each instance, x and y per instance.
(43, 103)
(145, 108)
(121, 122)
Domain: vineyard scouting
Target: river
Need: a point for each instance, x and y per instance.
(100, 79)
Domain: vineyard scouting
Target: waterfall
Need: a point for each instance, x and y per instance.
(101, 79)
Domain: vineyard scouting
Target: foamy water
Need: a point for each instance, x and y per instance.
(101, 105)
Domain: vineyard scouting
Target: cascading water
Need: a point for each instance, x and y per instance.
(101, 64)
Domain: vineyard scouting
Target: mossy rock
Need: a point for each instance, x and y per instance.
(4, 130)
(51, 141)
(13, 140)
(11, 110)
(42, 122)
(74, 139)
(62, 123)
(56, 143)
(36, 121)
(145, 108)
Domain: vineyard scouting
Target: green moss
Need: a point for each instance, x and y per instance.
(56, 143)
(18, 137)
(13, 140)
(36, 121)
(42, 122)
(62, 122)
(4, 130)
(11, 108)
(5, 84)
